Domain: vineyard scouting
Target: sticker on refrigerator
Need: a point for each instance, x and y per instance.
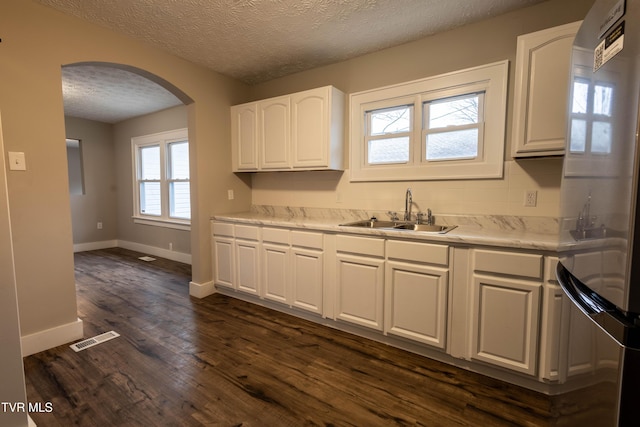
(610, 46)
(616, 12)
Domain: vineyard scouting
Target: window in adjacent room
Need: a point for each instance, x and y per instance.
(162, 192)
(444, 127)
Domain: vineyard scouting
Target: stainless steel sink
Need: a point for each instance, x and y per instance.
(371, 223)
(401, 225)
(428, 228)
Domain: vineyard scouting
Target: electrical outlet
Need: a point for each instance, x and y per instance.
(99, 226)
(531, 198)
(230, 194)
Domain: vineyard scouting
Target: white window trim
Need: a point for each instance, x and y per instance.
(490, 78)
(162, 139)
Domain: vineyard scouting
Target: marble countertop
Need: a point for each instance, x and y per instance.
(502, 231)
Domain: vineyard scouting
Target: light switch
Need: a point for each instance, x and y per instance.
(17, 161)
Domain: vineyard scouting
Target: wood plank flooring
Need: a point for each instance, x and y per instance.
(218, 361)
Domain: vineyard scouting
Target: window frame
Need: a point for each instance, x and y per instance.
(163, 140)
(489, 79)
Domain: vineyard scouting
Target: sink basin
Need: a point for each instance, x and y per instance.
(428, 228)
(401, 225)
(369, 223)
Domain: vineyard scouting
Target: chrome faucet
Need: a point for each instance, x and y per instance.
(408, 201)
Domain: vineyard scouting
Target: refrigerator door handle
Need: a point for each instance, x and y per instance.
(606, 315)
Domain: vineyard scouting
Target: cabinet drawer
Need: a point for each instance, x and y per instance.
(222, 229)
(275, 235)
(360, 245)
(418, 252)
(248, 232)
(514, 264)
(306, 239)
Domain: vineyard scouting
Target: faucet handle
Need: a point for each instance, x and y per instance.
(393, 215)
(420, 216)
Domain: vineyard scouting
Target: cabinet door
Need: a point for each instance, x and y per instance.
(506, 317)
(359, 290)
(541, 90)
(247, 271)
(275, 261)
(274, 133)
(307, 267)
(244, 137)
(416, 302)
(223, 257)
(310, 128)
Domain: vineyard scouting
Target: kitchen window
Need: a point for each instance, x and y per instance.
(444, 127)
(162, 190)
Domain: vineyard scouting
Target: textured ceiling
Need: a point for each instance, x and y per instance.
(110, 95)
(259, 40)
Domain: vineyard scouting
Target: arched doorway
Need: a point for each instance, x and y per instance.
(110, 103)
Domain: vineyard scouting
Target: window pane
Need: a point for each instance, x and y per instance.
(453, 112)
(179, 200)
(452, 145)
(601, 138)
(578, 136)
(179, 160)
(389, 150)
(580, 97)
(392, 120)
(150, 198)
(150, 162)
(602, 100)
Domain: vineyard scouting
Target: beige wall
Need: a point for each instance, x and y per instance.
(36, 42)
(12, 385)
(173, 118)
(98, 203)
(472, 45)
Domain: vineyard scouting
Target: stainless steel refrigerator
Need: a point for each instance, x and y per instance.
(599, 265)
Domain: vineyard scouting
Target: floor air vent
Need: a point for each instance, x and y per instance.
(90, 342)
(147, 258)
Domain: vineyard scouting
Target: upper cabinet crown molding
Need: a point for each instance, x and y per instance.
(543, 61)
(300, 131)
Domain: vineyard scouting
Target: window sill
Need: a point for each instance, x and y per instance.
(166, 223)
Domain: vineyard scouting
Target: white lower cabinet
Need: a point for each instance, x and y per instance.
(552, 334)
(506, 299)
(360, 280)
(416, 292)
(307, 269)
(223, 254)
(275, 264)
(247, 248)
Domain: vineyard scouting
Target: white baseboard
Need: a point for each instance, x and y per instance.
(50, 338)
(138, 247)
(92, 246)
(153, 250)
(201, 290)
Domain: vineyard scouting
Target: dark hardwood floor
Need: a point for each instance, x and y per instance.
(218, 361)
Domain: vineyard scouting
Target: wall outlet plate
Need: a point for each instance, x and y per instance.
(531, 198)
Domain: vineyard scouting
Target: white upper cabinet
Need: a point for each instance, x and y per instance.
(244, 134)
(301, 131)
(543, 62)
(274, 133)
